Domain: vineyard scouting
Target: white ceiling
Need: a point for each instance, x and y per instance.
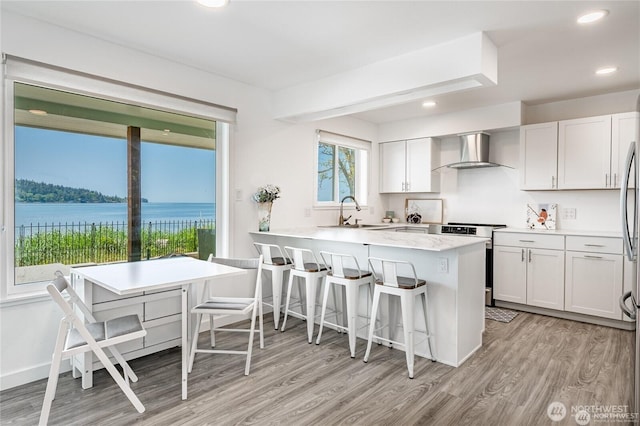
(543, 55)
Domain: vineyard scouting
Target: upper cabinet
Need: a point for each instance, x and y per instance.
(585, 153)
(539, 156)
(406, 166)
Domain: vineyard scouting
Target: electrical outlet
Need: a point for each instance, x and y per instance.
(569, 213)
(443, 265)
(238, 194)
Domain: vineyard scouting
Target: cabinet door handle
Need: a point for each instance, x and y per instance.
(522, 258)
(615, 180)
(403, 186)
(594, 245)
(527, 241)
(408, 185)
(553, 181)
(606, 180)
(529, 255)
(592, 257)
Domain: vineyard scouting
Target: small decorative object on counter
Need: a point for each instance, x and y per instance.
(265, 196)
(541, 216)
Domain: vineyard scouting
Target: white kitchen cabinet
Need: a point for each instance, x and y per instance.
(584, 153)
(624, 130)
(539, 156)
(406, 166)
(529, 269)
(594, 276)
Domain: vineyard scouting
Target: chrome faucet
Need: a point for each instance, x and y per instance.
(342, 221)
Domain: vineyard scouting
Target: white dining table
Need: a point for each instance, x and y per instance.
(134, 277)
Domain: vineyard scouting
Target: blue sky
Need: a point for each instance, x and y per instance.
(169, 173)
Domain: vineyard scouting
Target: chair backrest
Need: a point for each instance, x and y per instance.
(272, 253)
(388, 271)
(303, 259)
(250, 264)
(341, 263)
(59, 285)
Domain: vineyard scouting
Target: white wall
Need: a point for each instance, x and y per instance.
(263, 151)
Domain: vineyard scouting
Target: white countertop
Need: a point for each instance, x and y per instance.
(607, 234)
(374, 236)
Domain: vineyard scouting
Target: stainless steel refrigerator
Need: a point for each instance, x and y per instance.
(629, 205)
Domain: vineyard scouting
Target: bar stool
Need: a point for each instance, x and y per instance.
(407, 288)
(277, 263)
(306, 267)
(345, 271)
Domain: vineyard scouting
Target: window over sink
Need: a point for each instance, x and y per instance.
(342, 169)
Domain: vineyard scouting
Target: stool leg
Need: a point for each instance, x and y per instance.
(311, 289)
(372, 324)
(423, 299)
(286, 308)
(407, 301)
(392, 303)
(352, 314)
(325, 298)
(277, 274)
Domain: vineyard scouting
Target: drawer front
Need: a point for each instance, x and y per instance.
(163, 332)
(533, 240)
(162, 308)
(101, 295)
(594, 244)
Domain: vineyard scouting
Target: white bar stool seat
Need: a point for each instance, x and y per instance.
(407, 288)
(277, 263)
(306, 267)
(345, 271)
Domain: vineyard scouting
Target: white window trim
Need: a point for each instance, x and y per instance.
(19, 70)
(363, 168)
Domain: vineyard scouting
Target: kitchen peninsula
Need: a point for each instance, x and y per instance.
(453, 266)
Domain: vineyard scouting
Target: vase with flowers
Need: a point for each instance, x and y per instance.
(265, 196)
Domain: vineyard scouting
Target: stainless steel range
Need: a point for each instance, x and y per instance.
(479, 230)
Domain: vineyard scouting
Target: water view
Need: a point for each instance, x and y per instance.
(60, 213)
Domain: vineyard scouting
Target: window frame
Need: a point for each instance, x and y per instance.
(362, 174)
(19, 70)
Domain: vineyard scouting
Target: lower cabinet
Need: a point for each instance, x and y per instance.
(529, 276)
(586, 276)
(594, 282)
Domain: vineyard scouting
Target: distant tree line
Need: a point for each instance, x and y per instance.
(29, 191)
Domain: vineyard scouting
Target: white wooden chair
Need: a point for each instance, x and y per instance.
(241, 306)
(389, 282)
(76, 337)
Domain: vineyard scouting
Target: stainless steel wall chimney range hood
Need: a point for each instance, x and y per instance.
(474, 152)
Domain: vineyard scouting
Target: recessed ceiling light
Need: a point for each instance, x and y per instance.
(38, 112)
(213, 3)
(429, 104)
(606, 70)
(593, 16)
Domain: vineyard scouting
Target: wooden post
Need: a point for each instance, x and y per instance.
(134, 200)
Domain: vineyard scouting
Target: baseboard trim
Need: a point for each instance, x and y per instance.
(573, 316)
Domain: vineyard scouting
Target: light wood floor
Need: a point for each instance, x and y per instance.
(522, 367)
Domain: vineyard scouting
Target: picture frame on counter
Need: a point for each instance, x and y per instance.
(423, 210)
